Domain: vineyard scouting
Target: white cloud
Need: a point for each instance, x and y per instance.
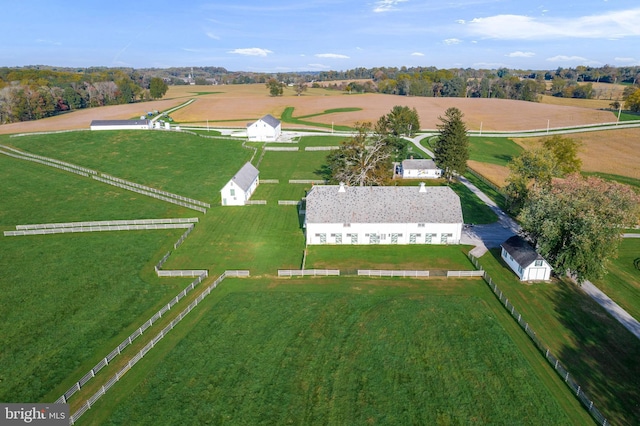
(331, 55)
(519, 54)
(212, 35)
(617, 24)
(386, 5)
(630, 60)
(565, 58)
(252, 51)
(417, 54)
(461, 21)
(451, 41)
(319, 66)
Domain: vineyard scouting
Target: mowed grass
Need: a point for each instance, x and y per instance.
(301, 165)
(498, 151)
(598, 351)
(67, 300)
(176, 162)
(330, 351)
(622, 282)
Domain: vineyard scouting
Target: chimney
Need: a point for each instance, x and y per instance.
(423, 187)
(342, 188)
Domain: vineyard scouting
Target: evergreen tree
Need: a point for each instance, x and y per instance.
(452, 146)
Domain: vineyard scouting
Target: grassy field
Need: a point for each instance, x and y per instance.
(622, 283)
(596, 349)
(333, 352)
(498, 151)
(65, 298)
(184, 164)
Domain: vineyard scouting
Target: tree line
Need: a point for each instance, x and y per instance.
(31, 94)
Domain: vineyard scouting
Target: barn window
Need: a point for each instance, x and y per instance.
(538, 263)
(429, 237)
(421, 225)
(338, 238)
(413, 238)
(394, 238)
(444, 238)
(232, 192)
(354, 238)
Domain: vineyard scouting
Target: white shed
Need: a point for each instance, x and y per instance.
(339, 214)
(266, 129)
(420, 169)
(524, 260)
(121, 124)
(240, 188)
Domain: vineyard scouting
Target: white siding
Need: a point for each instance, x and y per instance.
(421, 173)
(263, 132)
(122, 127)
(530, 272)
(383, 233)
(232, 195)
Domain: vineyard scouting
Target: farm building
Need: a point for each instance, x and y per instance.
(266, 129)
(340, 214)
(121, 124)
(420, 169)
(240, 188)
(524, 260)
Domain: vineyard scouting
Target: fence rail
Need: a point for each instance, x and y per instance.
(288, 202)
(49, 160)
(269, 180)
(280, 148)
(87, 405)
(157, 191)
(321, 148)
(553, 361)
(315, 181)
(256, 202)
(182, 273)
(308, 272)
(97, 229)
(106, 223)
(465, 273)
(46, 163)
(389, 273)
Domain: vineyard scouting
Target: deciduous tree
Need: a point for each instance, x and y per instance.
(401, 121)
(632, 101)
(157, 88)
(452, 146)
(275, 87)
(576, 222)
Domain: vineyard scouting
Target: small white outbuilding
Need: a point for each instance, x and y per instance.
(241, 186)
(420, 169)
(266, 129)
(524, 260)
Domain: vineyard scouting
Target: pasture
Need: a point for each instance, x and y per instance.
(334, 351)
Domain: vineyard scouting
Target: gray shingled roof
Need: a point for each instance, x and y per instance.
(245, 176)
(383, 204)
(418, 164)
(269, 119)
(119, 122)
(521, 251)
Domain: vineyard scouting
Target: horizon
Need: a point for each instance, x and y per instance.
(324, 35)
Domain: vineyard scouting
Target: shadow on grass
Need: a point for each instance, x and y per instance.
(604, 357)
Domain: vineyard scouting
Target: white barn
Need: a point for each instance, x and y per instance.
(339, 214)
(266, 129)
(524, 260)
(240, 188)
(420, 169)
(121, 124)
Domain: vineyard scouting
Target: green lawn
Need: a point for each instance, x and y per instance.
(473, 210)
(617, 178)
(622, 283)
(176, 162)
(493, 150)
(292, 165)
(287, 117)
(597, 350)
(330, 351)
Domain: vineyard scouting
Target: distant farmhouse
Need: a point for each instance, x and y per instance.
(121, 124)
(240, 188)
(339, 214)
(266, 129)
(420, 169)
(524, 260)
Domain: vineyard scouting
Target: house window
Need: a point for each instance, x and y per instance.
(538, 263)
(338, 238)
(520, 269)
(374, 239)
(354, 238)
(232, 192)
(444, 238)
(394, 238)
(413, 238)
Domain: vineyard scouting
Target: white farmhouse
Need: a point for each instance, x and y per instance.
(240, 188)
(266, 129)
(121, 124)
(339, 214)
(524, 260)
(420, 169)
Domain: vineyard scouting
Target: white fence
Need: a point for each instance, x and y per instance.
(269, 180)
(465, 273)
(55, 163)
(46, 163)
(157, 191)
(183, 237)
(79, 229)
(96, 396)
(182, 273)
(188, 220)
(150, 194)
(255, 202)
(321, 148)
(388, 273)
(316, 181)
(308, 272)
(288, 202)
(280, 148)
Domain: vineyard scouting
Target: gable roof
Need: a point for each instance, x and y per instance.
(521, 251)
(120, 122)
(419, 164)
(383, 204)
(269, 119)
(245, 176)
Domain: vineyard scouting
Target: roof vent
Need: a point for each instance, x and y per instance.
(342, 188)
(423, 187)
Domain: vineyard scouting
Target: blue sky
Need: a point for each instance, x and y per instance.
(318, 35)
